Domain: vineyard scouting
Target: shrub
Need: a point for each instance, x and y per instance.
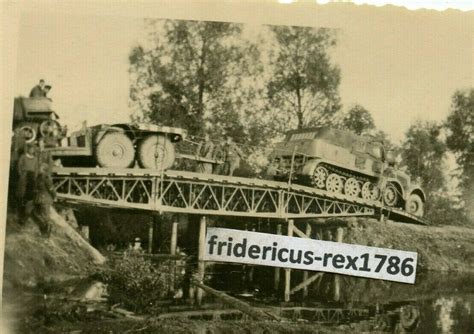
(441, 210)
(136, 283)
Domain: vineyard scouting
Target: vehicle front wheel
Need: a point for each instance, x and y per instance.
(414, 205)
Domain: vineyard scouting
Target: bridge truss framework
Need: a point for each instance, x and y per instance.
(193, 193)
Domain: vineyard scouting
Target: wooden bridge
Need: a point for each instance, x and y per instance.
(289, 206)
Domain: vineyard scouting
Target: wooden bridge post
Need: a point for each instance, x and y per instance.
(174, 242)
(251, 268)
(276, 284)
(305, 274)
(201, 252)
(337, 284)
(174, 238)
(288, 271)
(151, 225)
(319, 234)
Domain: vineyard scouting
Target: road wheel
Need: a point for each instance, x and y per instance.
(334, 183)
(370, 191)
(156, 152)
(50, 128)
(115, 149)
(28, 133)
(414, 205)
(382, 323)
(409, 317)
(352, 187)
(390, 195)
(319, 177)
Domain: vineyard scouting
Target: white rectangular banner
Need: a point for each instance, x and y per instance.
(227, 245)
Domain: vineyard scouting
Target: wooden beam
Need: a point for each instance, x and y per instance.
(201, 252)
(337, 283)
(305, 274)
(150, 235)
(306, 282)
(300, 233)
(288, 271)
(173, 245)
(276, 283)
(153, 256)
(339, 234)
(174, 238)
(319, 234)
(251, 269)
(253, 312)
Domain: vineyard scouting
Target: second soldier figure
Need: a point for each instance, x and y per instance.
(233, 154)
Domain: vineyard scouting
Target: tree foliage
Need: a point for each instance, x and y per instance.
(460, 126)
(460, 140)
(189, 75)
(358, 120)
(304, 84)
(424, 154)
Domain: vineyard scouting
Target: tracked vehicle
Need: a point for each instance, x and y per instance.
(34, 118)
(341, 162)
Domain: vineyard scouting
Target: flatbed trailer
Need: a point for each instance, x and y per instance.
(125, 145)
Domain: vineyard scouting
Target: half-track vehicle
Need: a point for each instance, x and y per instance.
(339, 161)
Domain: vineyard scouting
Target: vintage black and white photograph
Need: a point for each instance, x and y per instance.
(231, 168)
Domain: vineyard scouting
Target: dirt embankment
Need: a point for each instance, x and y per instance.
(32, 259)
(447, 248)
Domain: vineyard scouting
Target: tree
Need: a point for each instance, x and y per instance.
(424, 154)
(304, 84)
(460, 140)
(358, 120)
(190, 73)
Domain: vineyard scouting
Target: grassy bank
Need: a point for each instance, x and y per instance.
(446, 248)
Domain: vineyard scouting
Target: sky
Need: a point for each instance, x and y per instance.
(84, 58)
(400, 67)
(464, 5)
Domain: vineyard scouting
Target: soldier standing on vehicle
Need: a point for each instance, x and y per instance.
(205, 150)
(38, 90)
(233, 154)
(46, 90)
(219, 155)
(44, 198)
(27, 170)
